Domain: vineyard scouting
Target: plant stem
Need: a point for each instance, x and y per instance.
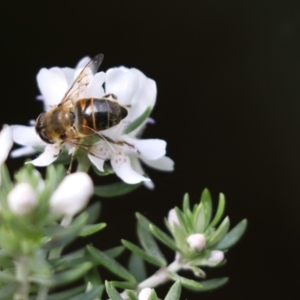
(22, 271)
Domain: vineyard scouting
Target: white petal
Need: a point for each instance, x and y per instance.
(69, 74)
(95, 89)
(53, 86)
(23, 151)
(151, 149)
(121, 165)
(216, 256)
(122, 83)
(26, 136)
(97, 162)
(72, 195)
(163, 164)
(197, 241)
(136, 165)
(6, 142)
(49, 155)
(145, 294)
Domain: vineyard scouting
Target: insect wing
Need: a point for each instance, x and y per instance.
(82, 80)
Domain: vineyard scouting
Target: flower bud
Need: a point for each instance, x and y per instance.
(145, 294)
(22, 199)
(173, 218)
(72, 195)
(197, 241)
(216, 256)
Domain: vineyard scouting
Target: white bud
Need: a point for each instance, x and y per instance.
(145, 294)
(22, 199)
(216, 256)
(197, 241)
(173, 218)
(72, 195)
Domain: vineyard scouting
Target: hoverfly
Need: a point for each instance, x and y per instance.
(76, 118)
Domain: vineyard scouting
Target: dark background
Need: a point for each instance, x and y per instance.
(228, 104)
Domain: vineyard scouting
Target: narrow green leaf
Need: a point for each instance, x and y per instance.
(185, 223)
(187, 283)
(110, 264)
(219, 213)
(174, 292)
(212, 284)
(114, 252)
(5, 180)
(94, 212)
(207, 206)
(138, 121)
(126, 285)
(112, 292)
(60, 236)
(186, 203)
(199, 219)
(149, 244)
(143, 221)
(131, 295)
(136, 267)
(153, 295)
(62, 278)
(5, 277)
(91, 294)
(7, 291)
(233, 236)
(140, 252)
(91, 229)
(219, 234)
(164, 238)
(93, 277)
(115, 189)
(66, 295)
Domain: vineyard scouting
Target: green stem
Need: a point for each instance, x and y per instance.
(22, 272)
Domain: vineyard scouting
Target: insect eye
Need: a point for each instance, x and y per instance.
(44, 137)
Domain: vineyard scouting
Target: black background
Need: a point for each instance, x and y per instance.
(228, 105)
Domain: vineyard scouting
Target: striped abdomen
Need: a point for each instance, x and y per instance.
(97, 114)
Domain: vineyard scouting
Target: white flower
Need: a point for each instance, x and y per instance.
(197, 241)
(72, 195)
(134, 90)
(22, 199)
(145, 294)
(216, 256)
(6, 142)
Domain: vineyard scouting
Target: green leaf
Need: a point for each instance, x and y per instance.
(207, 206)
(174, 292)
(62, 278)
(108, 170)
(186, 203)
(7, 291)
(131, 295)
(149, 244)
(5, 180)
(153, 295)
(212, 284)
(199, 219)
(187, 283)
(6, 277)
(93, 277)
(93, 211)
(219, 234)
(115, 189)
(126, 285)
(114, 252)
(112, 292)
(140, 252)
(60, 236)
(91, 294)
(138, 121)
(219, 213)
(233, 236)
(137, 268)
(164, 238)
(110, 264)
(91, 229)
(185, 223)
(143, 220)
(66, 295)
